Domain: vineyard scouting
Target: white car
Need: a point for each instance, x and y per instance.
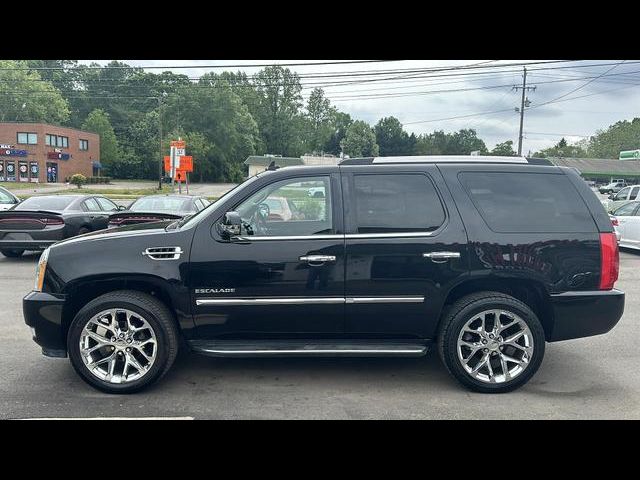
(317, 192)
(626, 222)
(625, 195)
(7, 199)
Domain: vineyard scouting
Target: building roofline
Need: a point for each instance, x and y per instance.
(48, 125)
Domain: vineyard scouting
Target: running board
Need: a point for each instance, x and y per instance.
(308, 348)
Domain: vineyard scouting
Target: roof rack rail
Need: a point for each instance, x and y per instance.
(444, 159)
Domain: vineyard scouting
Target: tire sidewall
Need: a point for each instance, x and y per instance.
(450, 350)
(73, 346)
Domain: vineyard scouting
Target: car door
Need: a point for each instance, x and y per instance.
(624, 214)
(97, 218)
(405, 248)
(619, 198)
(282, 277)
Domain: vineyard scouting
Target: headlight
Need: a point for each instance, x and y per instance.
(42, 267)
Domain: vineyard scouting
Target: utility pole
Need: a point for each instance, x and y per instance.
(161, 157)
(524, 103)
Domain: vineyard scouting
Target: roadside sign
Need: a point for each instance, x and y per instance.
(629, 155)
(186, 163)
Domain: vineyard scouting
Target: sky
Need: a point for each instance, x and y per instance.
(609, 91)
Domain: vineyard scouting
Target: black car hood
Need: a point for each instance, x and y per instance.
(137, 229)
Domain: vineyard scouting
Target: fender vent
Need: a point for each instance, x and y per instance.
(163, 253)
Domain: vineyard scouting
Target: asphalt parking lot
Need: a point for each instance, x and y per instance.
(592, 378)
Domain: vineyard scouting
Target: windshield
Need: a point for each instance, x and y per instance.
(6, 198)
(45, 203)
(162, 204)
(189, 220)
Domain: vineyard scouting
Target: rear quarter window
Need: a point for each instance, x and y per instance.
(528, 202)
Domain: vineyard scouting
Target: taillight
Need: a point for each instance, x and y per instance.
(52, 221)
(609, 260)
(614, 222)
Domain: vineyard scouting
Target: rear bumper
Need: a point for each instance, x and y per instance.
(583, 314)
(26, 244)
(43, 313)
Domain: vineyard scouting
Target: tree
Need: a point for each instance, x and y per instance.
(98, 122)
(464, 142)
(391, 137)
(360, 140)
(623, 135)
(563, 149)
(340, 122)
(320, 115)
(504, 149)
(278, 110)
(25, 97)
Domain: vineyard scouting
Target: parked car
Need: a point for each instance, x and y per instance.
(154, 208)
(613, 187)
(316, 192)
(7, 199)
(626, 220)
(39, 222)
(623, 196)
(482, 259)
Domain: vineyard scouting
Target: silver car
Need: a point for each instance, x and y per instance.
(7, 199)
(626, 221)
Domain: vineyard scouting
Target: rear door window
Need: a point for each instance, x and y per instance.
(90, 205)
(527, 202)
(390, 203)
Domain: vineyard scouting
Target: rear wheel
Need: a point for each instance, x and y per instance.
(123, 341)
(12, 253)
(491, 342)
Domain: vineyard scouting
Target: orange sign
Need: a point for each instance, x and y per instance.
(167, 163)
(186, 163)
(178, 143)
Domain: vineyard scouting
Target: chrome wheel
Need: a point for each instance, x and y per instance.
(118, 346)
(495, 346)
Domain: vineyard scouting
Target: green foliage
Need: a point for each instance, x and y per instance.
(24, 97)
(98, 122)
(504, 149)
(392, 139)
(563, 149)
(462, 142)
(78, 179)
(310, 207)
(360, 140)
(623, 135)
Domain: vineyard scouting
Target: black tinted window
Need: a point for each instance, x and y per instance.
(528, 202)
(396, 203)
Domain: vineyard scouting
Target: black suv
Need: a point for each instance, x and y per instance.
(486, 257)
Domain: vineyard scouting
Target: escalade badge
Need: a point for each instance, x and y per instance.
(215, 290)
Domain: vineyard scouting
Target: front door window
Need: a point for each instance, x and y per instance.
(294, 207)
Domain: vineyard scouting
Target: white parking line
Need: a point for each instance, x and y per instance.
(107, 418)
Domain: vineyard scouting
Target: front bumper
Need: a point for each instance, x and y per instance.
(43, 313)
(583, 314)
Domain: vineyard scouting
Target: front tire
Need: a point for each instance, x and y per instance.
(491, 342)
(12, 253)
(123, 341)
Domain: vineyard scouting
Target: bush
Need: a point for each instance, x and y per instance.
(94, 180)
(78, 179)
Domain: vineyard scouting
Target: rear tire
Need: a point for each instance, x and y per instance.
(491, 342)
(139, 317)
(12, 253)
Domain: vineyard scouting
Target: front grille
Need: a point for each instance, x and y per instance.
(163, 253)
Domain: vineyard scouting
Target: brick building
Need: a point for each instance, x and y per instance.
(40, 153)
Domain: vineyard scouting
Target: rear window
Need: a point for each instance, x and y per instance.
(162, 204)
(528, 202)
(45, 203)
(389, 203)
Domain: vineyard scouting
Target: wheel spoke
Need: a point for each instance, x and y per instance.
(505, 369)
(507, 358)
(132, 360)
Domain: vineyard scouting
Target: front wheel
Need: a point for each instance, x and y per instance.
(122, 341)
(491, 342)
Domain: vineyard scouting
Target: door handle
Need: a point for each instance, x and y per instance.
(317, 259)
(441, 257)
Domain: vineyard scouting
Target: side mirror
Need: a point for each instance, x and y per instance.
(231, 225)
(121, 208)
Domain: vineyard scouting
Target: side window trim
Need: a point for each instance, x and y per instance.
(350, 213)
